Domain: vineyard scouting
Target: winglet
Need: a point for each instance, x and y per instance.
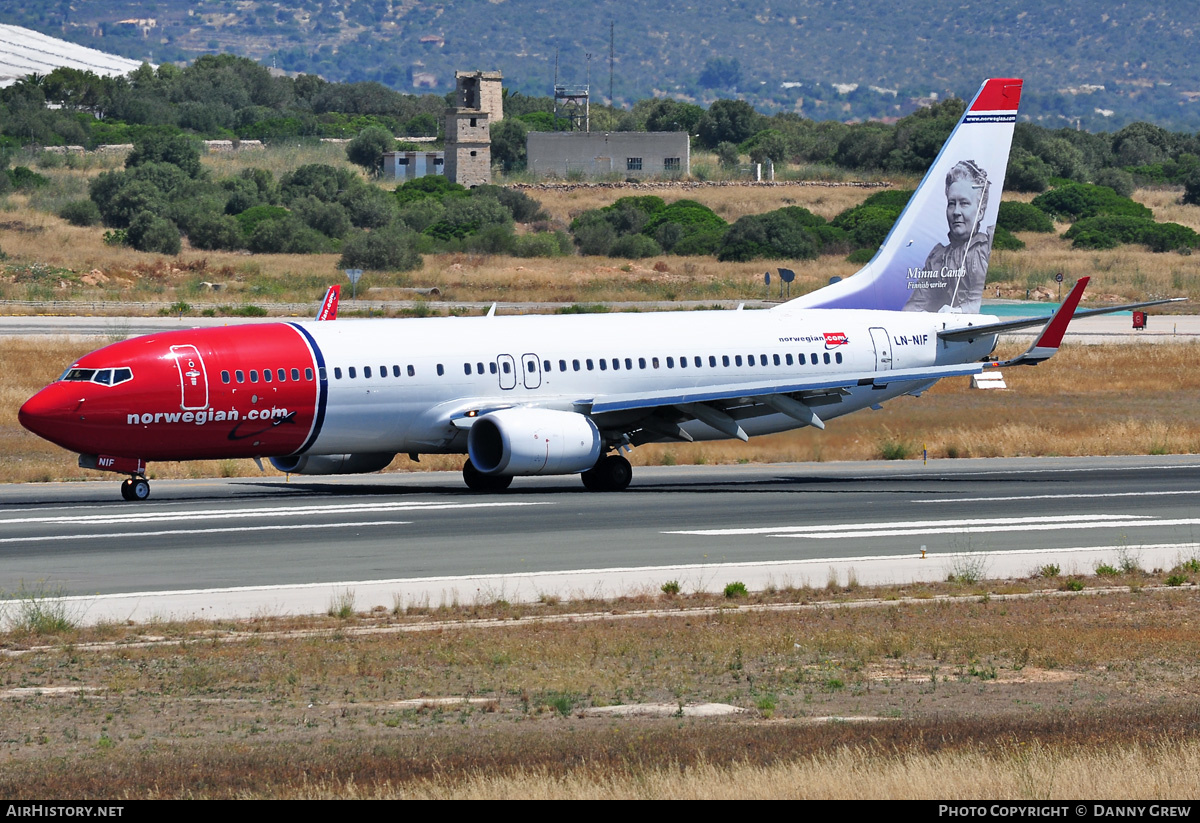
(1047, 343)
(329, 305)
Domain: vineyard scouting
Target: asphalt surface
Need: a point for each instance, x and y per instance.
(240, 547)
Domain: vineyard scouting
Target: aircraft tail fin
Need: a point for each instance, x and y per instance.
(935, 257)
(329, 305)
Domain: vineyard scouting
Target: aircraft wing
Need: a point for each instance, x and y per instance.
(720, 406)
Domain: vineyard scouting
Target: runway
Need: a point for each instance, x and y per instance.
(240, 547)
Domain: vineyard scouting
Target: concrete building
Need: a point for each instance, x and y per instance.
(595, 154)
(468, 139)
(409, 165)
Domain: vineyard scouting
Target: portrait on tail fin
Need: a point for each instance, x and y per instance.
(953, 276)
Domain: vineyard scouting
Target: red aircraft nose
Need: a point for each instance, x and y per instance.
(51, 412)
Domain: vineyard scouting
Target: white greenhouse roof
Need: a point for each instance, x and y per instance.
(24, 52)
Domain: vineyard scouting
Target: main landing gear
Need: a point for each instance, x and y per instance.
(135, 488)
(610, 474)
(479, 482)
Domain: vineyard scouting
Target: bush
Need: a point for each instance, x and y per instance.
(706, 243)
(634, 247)
(735, 589)
(25, 179)
(1005, 240)
(286, 235)
(251, 217)
(1073, 201)
(778, 234)
(177, 149)
(80, 213)
(1023, 217)
(542, 244)
(524, 209)
(1109, 231)
(431, 185)
(593, 234)
(149, 232)
(1118, 180)
(392, 248)
(367, 149)
(216, 232)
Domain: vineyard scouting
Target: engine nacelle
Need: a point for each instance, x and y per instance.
(333, 463)
(533, 441)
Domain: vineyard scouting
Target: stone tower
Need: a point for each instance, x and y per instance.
(468, 139)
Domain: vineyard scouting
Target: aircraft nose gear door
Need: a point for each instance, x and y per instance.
(532, 370)
(883, 349)
(508, 371)
(193, 379)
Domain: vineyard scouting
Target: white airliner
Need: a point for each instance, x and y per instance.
(541, 395)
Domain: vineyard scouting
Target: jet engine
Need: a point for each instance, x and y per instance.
(533, 441)
(333, 463)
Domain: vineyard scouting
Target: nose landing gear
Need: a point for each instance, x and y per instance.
(135, 488)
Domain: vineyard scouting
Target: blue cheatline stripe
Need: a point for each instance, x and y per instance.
(322, 396)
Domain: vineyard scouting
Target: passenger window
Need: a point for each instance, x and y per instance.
(366, 371)
(590, 366)
(506, 367)
(812, 358)
(337, 372)
(737, 360)
(750, 360)
(281, 374)
(224, 376)
(562, 366)
(308, 375)
(575, 365)
(254, 375)
(440, 370)
(628, 364)
(467, 369)
(395, 371)
(775, 359)
(838, 357)
(670, 362)
(383, 371)
(296, 375)
(531, 366)
(826, 358)
(725, 360)
(240, 376)
(603, 364)
(412, 372)
(352, 372)
(712, 362)
(546, 365)
(616, 364)
(788, 358)
(654, 362)
(266, 375)
(641, 362)
(479, 368)
(683, 362)
(492, 368)
(698, 362)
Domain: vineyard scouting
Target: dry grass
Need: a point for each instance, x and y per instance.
(1089, 400)
(30, 235)
(1035, 698)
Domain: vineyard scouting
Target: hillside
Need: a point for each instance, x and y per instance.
(825, 59)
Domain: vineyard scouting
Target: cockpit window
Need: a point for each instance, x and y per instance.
(103, 377)
(79, 375)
